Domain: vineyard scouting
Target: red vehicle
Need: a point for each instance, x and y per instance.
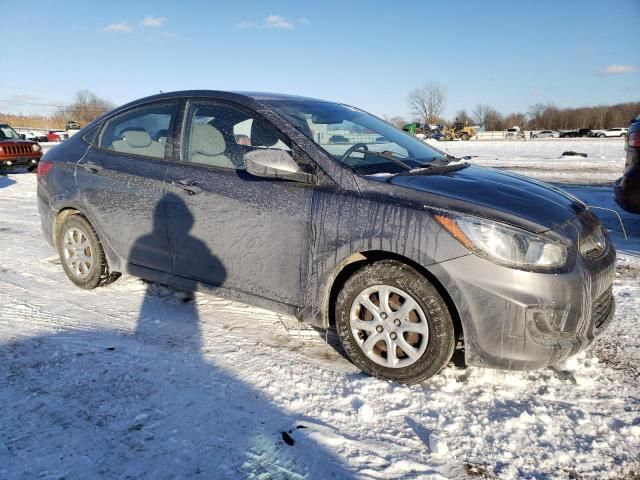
(15, 151)
(57, 135)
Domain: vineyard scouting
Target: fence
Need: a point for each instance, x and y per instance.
(498, 135)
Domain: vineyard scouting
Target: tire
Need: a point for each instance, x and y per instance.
(448, 137)
(534, 136)
(464, 136)
(32, 168)
(425, 325)
(76, 236)
(602, 135)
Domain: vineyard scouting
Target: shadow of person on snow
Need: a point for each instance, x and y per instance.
(103, 403)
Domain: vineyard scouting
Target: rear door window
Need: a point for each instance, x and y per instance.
(142, 131)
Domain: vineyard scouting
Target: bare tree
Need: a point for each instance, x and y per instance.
(515, 119)
(86, 106)
(536, 114)
(494, 121)
(463, 117)
(479, 114)
(488, 117)
(396, 121)
(428, 102)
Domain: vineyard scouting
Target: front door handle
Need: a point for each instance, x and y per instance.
(189, 186)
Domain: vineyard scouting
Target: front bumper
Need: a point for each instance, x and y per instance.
(22, 161)
(519, 320)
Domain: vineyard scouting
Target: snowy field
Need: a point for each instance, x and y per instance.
(138, 380)
(542, 158)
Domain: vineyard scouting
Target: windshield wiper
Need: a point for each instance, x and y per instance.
(436, 167)
(387, 155)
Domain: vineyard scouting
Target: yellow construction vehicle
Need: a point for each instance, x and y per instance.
(459, 130)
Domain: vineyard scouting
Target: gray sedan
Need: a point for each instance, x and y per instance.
(407, 252)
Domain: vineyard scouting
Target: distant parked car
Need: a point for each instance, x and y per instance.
(435, 134)
(72, 125)
(35, 137)
(57, 135)
(338, 139)
(29, 136)
(514, 132)
(627, 188)
(579, 132)
(613, 132)
(546, 134)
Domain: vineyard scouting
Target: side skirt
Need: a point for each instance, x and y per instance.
(228, 293)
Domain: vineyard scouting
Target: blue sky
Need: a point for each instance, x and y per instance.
(369, 54)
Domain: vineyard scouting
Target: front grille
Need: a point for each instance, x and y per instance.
(17, 149)
(602, 307)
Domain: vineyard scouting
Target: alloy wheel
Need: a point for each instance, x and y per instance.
(77, 252)
(389, 326)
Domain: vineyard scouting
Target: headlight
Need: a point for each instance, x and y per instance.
(504, 245)
(35, 147)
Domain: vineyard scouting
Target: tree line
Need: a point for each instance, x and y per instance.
(85, 106)
(427, 104)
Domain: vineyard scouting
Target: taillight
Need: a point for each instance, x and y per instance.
(44, 166)
(634, 139)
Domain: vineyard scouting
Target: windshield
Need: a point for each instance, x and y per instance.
(358, 140)
(8, 133)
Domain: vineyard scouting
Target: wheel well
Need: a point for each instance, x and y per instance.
(59, 219)
(350, 265)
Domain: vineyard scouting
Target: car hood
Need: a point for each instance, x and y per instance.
(494, 194)
(16, 142)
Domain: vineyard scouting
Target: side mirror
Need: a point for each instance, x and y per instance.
(23, 136)
(273, 163)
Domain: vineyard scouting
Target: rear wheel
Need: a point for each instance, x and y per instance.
(464, 136)
(82, 255)
(602, 135)
(393, 323)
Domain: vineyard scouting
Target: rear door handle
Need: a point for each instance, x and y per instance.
(92, 167)
(189, 186)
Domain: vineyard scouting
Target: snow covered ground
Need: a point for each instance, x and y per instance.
(542, 158)
(138, 380)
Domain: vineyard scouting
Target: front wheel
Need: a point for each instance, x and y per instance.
(393, 323)
(464, 136)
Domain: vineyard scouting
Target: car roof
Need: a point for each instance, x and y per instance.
(227, 94)
(238, 96)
